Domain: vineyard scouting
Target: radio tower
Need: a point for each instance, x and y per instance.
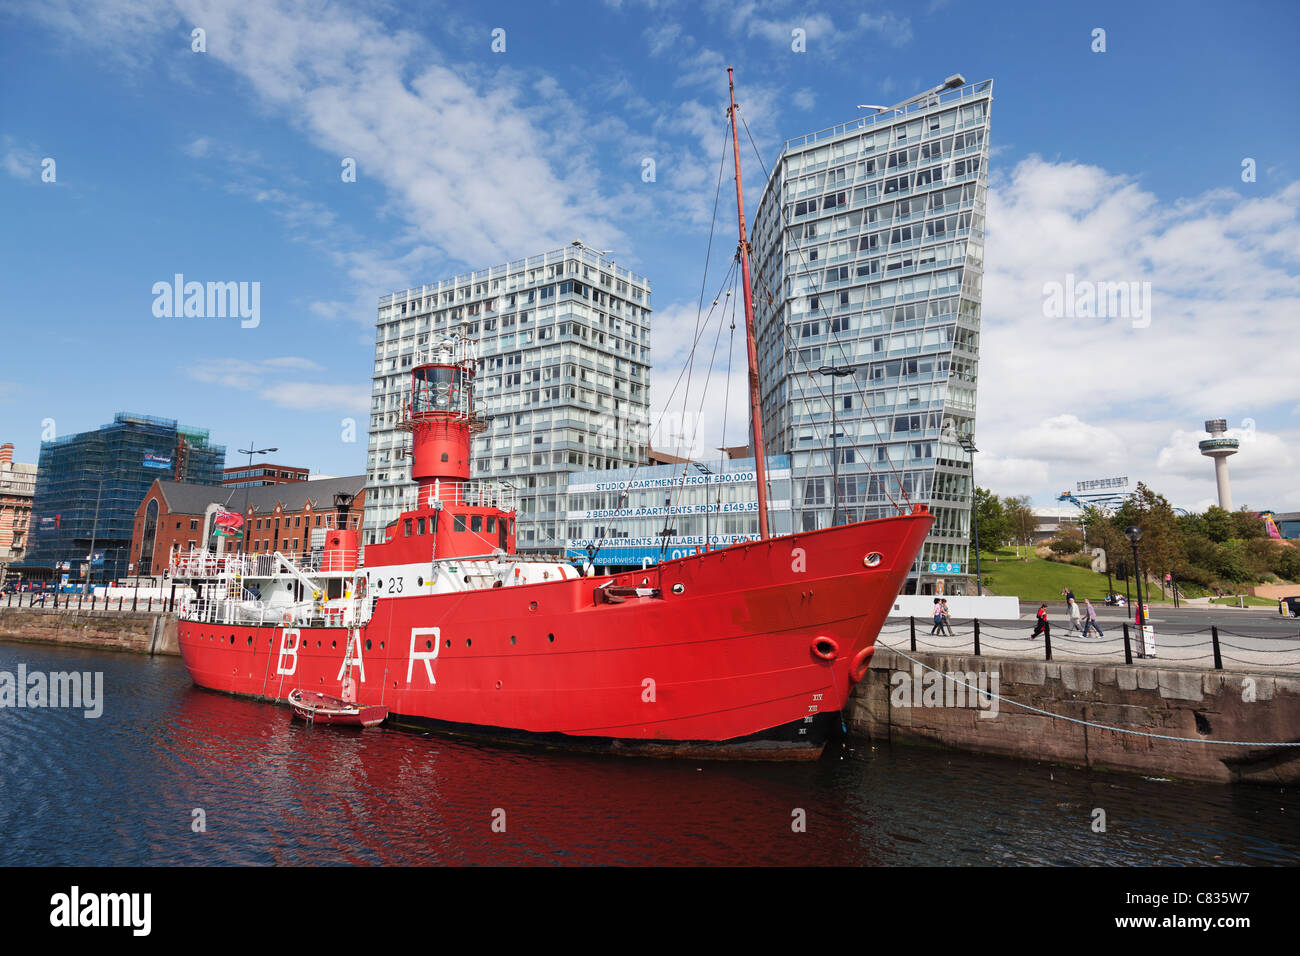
(1218, 446)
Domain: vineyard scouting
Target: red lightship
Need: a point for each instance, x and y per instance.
(748, 651)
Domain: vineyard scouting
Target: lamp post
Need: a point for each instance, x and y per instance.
(1134, 535)
(250, 451)
(968, 445)
(835, 371)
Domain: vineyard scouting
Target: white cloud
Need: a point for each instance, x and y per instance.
(267, 377)
(1098, 397)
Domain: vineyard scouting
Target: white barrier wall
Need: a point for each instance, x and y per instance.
(986, 608)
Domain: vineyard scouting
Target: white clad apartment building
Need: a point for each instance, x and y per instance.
(563, 380)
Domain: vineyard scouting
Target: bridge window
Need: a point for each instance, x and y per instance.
(491, 524)
(460, 523)
(406, 527)
(476, 523)
(419, 526)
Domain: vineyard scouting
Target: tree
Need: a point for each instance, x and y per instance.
(1020, 519)
(1102, 533)
(993, 525)
(1247, 525)
(1161, 548)
(1218, 524)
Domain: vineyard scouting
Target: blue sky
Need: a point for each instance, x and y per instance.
(225, 166)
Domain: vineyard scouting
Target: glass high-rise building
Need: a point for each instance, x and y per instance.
(563, 380)
(89, 485)
(868, 252)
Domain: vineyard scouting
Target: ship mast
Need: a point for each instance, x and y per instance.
(755, 408)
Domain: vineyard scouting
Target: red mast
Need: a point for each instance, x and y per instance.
(755, 408)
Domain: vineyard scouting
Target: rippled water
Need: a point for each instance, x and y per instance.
(122, 789)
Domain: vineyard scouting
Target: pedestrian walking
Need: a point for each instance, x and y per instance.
(937, 618)
(1075, 616)
(1090, 619)
(947, 618)
(1042, 625)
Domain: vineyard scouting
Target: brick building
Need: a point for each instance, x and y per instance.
(17, 486)
(281, 517)
(263, 473)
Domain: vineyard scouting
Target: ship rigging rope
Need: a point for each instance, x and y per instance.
(730, 301)
(866, 405)
(594, 549)
(1090, 723)
(700, 328)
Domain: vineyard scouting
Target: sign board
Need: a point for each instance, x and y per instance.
(1100, 484)
(157, 461)
(945, 567)
(1147, 641)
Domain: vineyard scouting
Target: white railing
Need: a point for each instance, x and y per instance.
(477, 493)
(208, 564)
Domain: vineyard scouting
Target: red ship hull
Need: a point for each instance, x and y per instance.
(749, 651)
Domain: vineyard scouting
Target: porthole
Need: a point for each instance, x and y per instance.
(381, 645)
(550, 638)
(250, 640)
(467, 642)
(428, 645)
(512, 639)
(420, 581)
(334, 644)
(367, 643)
(448, 644)
(318, 645)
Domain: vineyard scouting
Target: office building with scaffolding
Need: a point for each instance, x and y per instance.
(868, 254)
(89, 486)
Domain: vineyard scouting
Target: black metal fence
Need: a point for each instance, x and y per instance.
(91, 602)
(982, 636)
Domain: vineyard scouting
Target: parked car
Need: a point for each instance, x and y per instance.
(1289, 606)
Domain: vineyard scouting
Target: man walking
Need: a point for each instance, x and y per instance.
(1074, 615)
(948, 618)
(1090, 619)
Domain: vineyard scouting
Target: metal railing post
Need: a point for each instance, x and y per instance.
(1047, 638)
(1214, 638)
(977, 637)
(1128, 647)
(911, 623)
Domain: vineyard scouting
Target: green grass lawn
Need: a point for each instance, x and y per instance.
(1250, 601)
(1041, 580)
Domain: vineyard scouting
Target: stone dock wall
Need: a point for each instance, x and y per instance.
(139, 632)
(1202, 705)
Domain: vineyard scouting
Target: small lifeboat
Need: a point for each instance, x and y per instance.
(315, 707)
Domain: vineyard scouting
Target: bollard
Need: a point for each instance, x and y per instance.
(1214, 637)
(120, 599)
(911, 622)
(1128, 648)
(135, 598)
(977, 637)
(1047, 639)
(171, 602)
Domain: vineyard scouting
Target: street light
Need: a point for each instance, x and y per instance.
(968, 445)
(250, 451)
(835, 371)
(1134, 535)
